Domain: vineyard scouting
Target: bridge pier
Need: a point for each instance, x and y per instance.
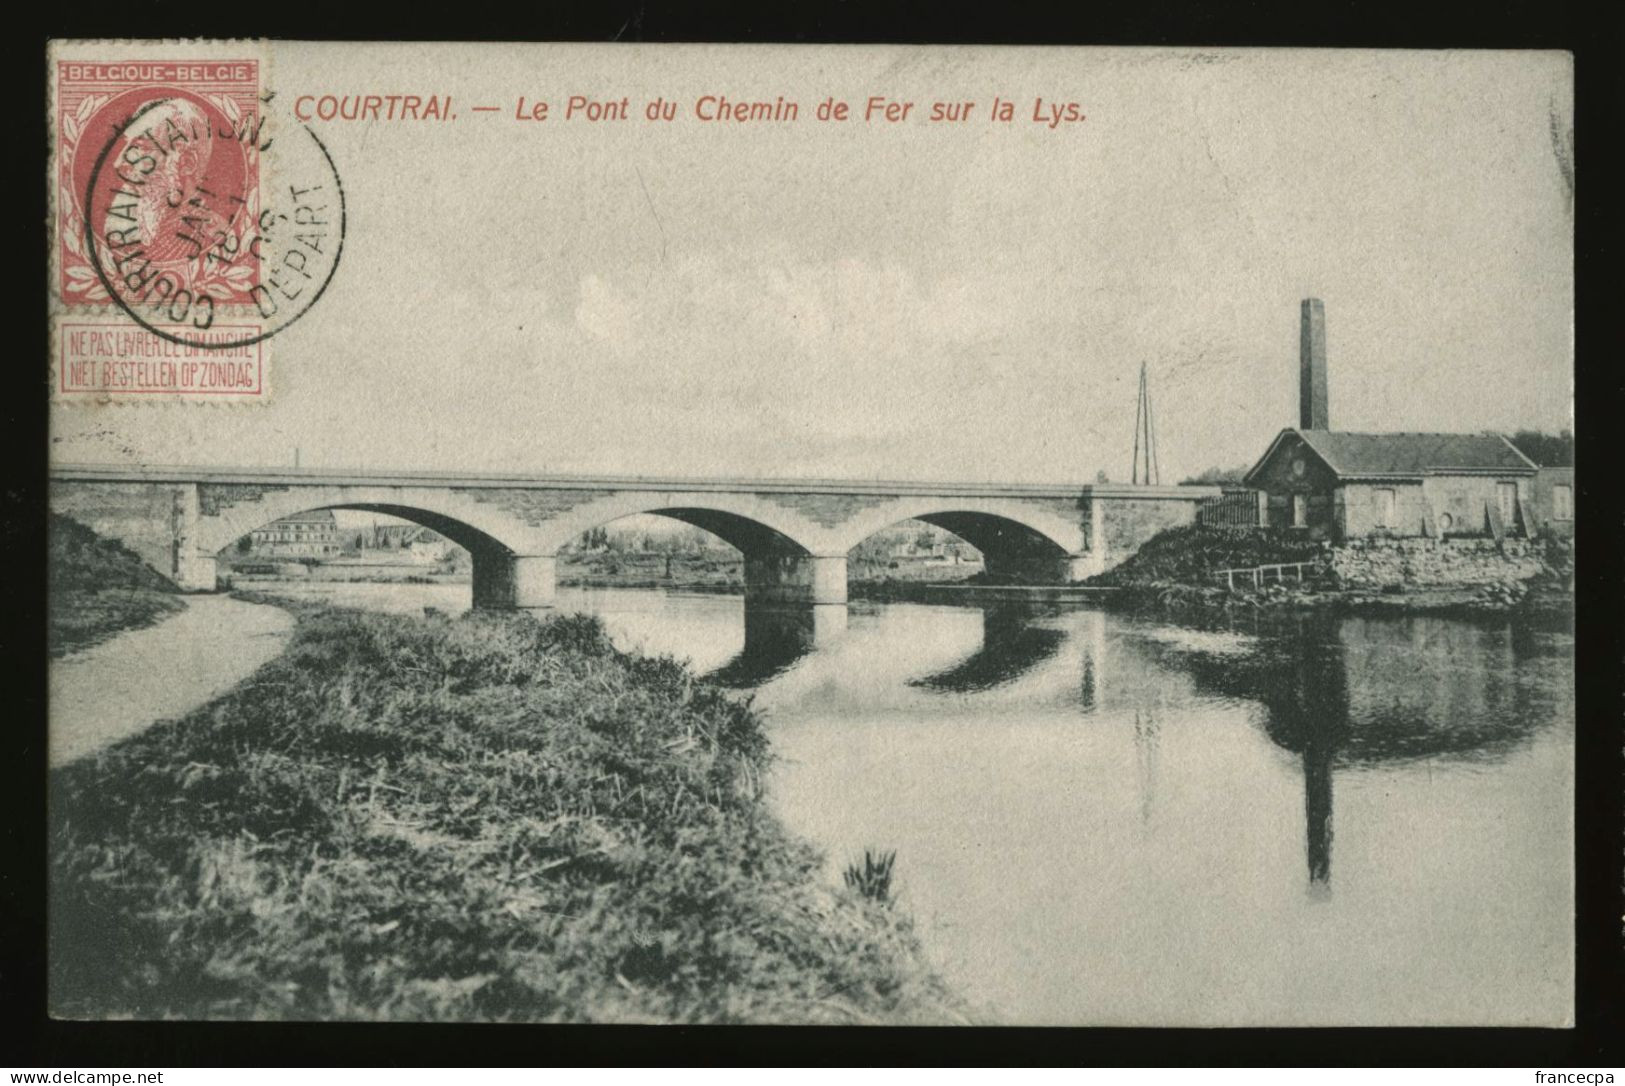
(796, 578)
(508, 582)
(535, 577)
(195, 572)
(828, 623)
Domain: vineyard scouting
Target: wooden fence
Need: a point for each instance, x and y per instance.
(1259, 576)
(1236, 507)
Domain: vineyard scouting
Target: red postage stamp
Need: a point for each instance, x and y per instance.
(157, 166)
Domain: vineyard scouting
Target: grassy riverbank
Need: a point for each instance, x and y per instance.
(97, 588)
(486, 818)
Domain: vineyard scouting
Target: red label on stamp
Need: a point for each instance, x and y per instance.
(172, 148)
(119, 360)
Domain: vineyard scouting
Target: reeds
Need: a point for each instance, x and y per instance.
(873, 879)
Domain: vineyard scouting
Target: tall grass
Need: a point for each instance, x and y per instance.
(483, 818)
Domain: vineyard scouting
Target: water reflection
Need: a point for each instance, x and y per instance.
(1147, 743)
(777, 636)
(1011, 646)
(1353, 694)
(1317, 807)
(1307, 696)
(1015, 640)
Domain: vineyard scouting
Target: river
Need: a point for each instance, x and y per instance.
(1120, 820)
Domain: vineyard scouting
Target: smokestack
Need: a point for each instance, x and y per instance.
(1312, 410)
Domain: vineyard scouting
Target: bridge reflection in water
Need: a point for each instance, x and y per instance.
(776, 637)
(1014, 642)
(1012, 646)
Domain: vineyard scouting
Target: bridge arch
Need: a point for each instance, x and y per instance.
(1015, 538)
(505, 551)
(789, 558)
(756, 526)
(224, 521)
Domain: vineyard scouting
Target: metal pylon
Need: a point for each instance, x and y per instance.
(1145, 469)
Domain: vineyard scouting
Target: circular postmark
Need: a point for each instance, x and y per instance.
(181, 230)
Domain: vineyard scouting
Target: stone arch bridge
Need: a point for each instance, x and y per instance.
(795, 535)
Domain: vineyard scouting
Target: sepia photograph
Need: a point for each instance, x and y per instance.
(811, 535)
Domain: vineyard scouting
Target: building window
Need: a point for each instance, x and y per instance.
(1562, 502)
(1300, 510)
(1385, 507)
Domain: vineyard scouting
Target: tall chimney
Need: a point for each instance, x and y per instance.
(1312, 411)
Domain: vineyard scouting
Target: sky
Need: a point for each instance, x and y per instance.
(943, 302)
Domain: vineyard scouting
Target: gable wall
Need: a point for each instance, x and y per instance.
(1278, 481)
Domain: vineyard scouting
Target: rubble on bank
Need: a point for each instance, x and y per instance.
(1177, 571)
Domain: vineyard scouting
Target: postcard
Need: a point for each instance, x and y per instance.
(807, 534)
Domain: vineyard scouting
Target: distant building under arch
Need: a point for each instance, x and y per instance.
(314, 534)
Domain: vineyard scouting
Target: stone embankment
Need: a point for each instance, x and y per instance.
(1430, 563)
(1456, 576)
